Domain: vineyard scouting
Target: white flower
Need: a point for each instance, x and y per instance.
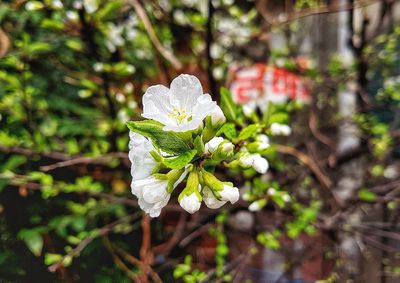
(249, 108)
(57, 4)
(262, 142)
(142, 161)
(152, 194)
(33, 5)
(280, 129)
(190, 203)
(91, 6)
(181, 108)
(217, 116)
(114, 37)
(72, 15)
(260, 164)
(213, 144)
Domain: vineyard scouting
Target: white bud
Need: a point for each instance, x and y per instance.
(210, 200)
(229, 193)
(213, 144)
(271, 191)
(260, 165)
(72, 15)
(57, 4)
(228, 147)
(257, 205)
(248, 109)
(33, 5)
(217, 116)
(190, 203)
(262, 142)
(98, 67)
(280, 129)
(286, 198)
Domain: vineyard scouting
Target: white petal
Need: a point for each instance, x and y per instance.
(210, 200)
(190, 203)
(230, 194)
(156, 104)
(185, 89)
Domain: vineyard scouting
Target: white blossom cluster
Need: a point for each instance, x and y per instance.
(183, 113)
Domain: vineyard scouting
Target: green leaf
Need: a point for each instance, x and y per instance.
(228, 106)
(169, 141)
(280, 117)
(178, 162)
(248, 131)
(228, 130)
(366, 195)
(199, 145)
(33, 239)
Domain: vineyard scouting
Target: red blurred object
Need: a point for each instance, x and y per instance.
(262, 83)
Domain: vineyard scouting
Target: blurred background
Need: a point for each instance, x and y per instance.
(72, 73)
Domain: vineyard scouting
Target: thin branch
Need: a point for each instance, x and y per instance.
(304, 158)
(119, 263)
(135, 261)
(82, 245)
(168, 55)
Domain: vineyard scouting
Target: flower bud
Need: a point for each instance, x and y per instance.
(190, 203)
(217, 116)
(213, 144)
(259, 163)
(228, 147)
(280, 129)
(271, 191)
(286, 198)
(210, 200)
(262, 142)
(257, 205)
(229, 193)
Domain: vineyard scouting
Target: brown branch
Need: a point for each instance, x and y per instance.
(166, 247)
(135, 261)
(119, 263)
(322, 9)
(168, 55)
(82, 245)
(145, 252)
(304, 158)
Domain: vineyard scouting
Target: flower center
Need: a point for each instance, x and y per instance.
(179, 115)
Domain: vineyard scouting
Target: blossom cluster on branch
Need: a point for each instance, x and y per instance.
(185, 136)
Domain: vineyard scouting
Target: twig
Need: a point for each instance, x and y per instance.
(135, 261)
(100, 160)
(82, 245)
(324, 180)
(119, 263)
(166, 247)
(168, 55)
(145, 253)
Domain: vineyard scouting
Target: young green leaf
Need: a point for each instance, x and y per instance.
(228, 106)
(168, 141)
(180, 161)
(228, 130)
(248, 131)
